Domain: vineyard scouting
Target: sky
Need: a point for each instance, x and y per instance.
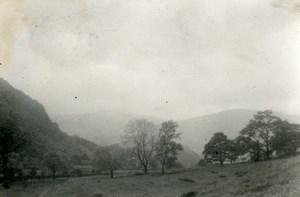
(169, 59)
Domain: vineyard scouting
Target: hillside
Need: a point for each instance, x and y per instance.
(279, 177)
(103, 129)
(34, 118)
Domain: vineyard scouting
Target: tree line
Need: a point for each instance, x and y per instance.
(264, 137)
(144, 145)
(147, 146)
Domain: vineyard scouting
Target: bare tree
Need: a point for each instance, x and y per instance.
(141, 134)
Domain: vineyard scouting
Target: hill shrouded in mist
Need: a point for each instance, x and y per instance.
(107, 127)
(102, 127)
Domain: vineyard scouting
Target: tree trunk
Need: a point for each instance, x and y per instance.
(53, 172)
(145, 169)
(112, 173)
(5, 170)
(163, 166)
(294, 152)
(163, 169)
(221, 162)
(268, 151)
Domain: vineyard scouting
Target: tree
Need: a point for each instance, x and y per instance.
(12, 139)
(141, 134)
(166, 147)
(217, 148)
(232, 151)
(286, 139)
(246, 145)
(260, 129)
(107, 159)
(53, 162)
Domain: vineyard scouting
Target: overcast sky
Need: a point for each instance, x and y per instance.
(169, 59)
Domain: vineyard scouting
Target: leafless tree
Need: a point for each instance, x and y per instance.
(141, 134)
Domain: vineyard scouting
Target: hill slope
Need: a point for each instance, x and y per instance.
(48, 136)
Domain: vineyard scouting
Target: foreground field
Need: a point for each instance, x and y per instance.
(270, 178)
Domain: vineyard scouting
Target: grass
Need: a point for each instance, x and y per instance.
(279, 177)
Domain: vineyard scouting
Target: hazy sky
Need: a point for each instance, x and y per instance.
(170, 59)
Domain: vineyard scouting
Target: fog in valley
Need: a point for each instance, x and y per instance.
(185, 74)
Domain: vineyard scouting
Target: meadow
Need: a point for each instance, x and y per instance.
(277, 177)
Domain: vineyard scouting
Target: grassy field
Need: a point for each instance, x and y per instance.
(279, 177)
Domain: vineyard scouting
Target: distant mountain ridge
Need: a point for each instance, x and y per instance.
(107, 128)
(103, 128)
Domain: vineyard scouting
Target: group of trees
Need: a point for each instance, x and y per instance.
(17, 149)
(144, 145)
(12, 139)
(264, 135)
(143, 137)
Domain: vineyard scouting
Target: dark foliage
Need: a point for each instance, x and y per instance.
(219, 148)
(260, 130)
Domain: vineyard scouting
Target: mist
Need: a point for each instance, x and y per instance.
(171, 59)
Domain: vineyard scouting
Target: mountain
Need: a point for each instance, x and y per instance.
(103, 128)
(107, 127)
(34, 118)
(196, 132)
